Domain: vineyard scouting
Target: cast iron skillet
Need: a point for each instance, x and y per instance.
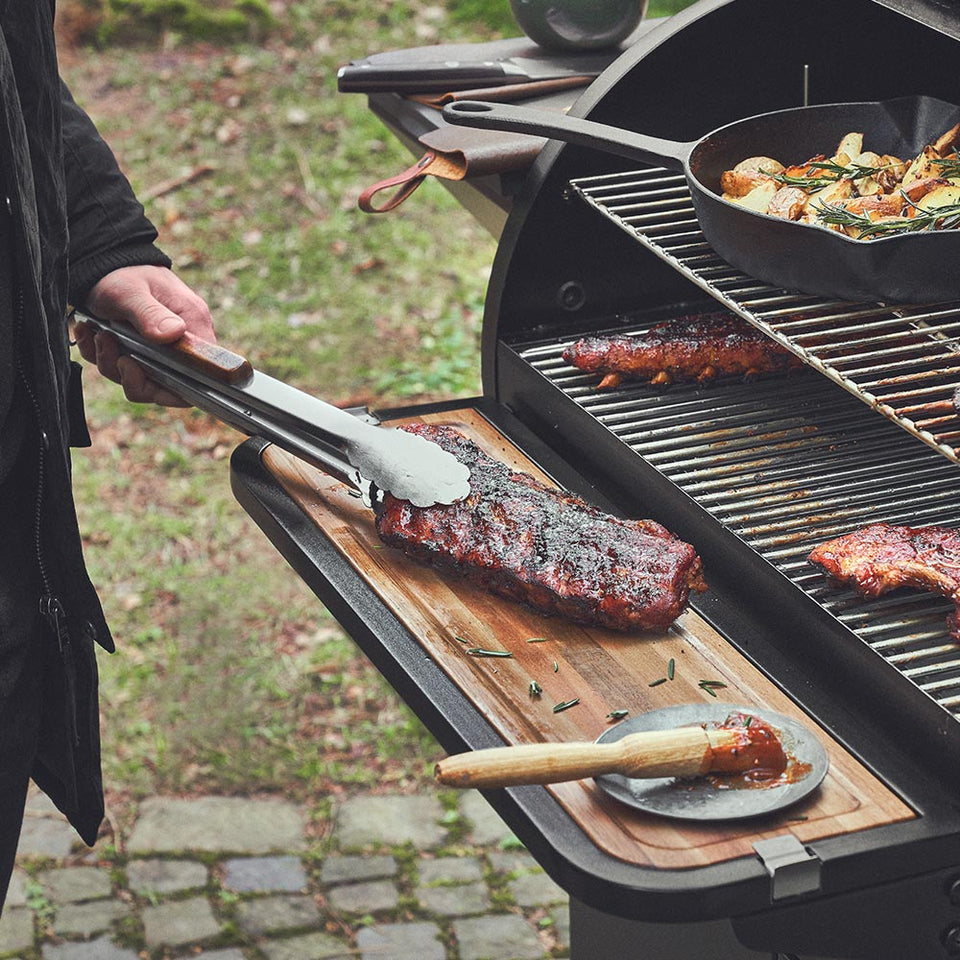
(909, 268)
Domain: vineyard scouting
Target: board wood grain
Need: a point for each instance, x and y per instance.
(606, 670)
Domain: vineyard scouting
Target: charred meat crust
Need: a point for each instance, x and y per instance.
(687, 348)
(883, 557)
(522, 540)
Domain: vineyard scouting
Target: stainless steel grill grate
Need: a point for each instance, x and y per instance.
(786, 464)
(902, 361)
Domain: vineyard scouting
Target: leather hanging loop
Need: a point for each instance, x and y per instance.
(447, 166)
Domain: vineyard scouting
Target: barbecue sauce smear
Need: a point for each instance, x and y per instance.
(771, 766)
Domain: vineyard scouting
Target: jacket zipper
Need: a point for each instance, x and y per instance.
(51, 609)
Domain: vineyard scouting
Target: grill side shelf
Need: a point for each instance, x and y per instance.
(902, 361)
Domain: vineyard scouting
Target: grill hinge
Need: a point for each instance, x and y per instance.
(793, 869)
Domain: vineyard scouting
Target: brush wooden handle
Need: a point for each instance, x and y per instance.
(684, 752)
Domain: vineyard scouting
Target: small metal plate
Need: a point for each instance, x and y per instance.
(702, 798)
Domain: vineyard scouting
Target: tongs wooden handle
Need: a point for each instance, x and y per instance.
(683, 752)
(211, 359)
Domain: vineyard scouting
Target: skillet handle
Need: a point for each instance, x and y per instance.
(558, 126)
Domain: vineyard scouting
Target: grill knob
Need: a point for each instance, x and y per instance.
(571, 296)
(953, 891)
(950, 938)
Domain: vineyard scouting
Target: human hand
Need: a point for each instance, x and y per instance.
(157, 303)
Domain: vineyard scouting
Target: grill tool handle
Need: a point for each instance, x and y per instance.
(684, 752)
(210, 359)
(367, 457)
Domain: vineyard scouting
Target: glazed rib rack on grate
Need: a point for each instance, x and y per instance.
(695, 347)
(882, 557)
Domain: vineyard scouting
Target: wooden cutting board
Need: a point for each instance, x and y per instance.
(606, 670)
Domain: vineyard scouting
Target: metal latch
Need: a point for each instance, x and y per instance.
(792, 867)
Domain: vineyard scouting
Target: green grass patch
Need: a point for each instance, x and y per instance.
(230, 676)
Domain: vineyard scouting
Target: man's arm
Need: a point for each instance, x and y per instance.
(116, 270)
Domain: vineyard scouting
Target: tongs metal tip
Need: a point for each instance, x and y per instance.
(410, 467)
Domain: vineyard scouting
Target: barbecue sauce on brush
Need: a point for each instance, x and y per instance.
(770, 765)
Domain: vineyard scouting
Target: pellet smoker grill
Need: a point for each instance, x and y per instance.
(754, 475)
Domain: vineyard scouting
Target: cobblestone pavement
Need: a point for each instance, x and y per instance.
(395, 878)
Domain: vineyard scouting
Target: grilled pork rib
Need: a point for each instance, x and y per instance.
(522, 540)
(882, 557)
(688, 348)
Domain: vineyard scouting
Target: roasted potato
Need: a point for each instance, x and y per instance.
(923, 166)
(945, 194)
(892, 173)
(760, 196)
(831, 193)
(748, 174)
(875, 207)
(804, 169)
(920, 189)
(849, 147)
(947, 141)
(869, 185)
(788, 202)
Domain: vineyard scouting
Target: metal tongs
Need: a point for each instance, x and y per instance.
(370, 459)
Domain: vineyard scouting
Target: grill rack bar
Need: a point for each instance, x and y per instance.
(880, 354)
(785, 464)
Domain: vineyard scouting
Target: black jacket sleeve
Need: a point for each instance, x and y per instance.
(108, 226)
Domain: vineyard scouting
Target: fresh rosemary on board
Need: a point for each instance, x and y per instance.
(711, 686)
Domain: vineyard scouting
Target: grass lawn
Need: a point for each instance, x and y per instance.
(230, 676)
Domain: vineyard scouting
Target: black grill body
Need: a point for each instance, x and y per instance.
(754, 475)
(757, 474)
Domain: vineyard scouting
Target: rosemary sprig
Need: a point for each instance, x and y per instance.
(538, 639)
(810, 184)
(556, 666)
(949, 166)
(711, 686)
(481, 652)
(617, 714)
(671, 666)
(656, 683)
(830, 172)
(565, 705)
(948, 217)
(852, 171)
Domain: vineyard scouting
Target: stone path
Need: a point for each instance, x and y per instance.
(394, 878)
